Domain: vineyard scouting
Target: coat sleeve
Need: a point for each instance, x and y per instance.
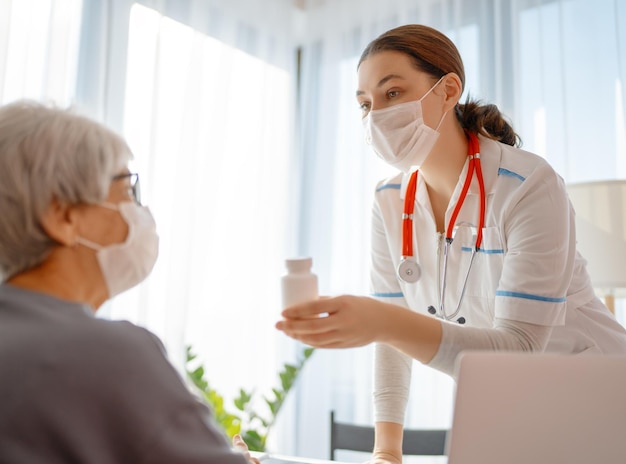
(540, 239)
(392, 369)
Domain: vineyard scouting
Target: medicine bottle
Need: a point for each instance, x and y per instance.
(299, 284)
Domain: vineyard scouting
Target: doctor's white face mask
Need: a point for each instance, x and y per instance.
(399, 135)
(126, 264)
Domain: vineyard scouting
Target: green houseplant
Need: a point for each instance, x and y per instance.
(254, 426)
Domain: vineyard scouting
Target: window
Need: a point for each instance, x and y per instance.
(39, 52)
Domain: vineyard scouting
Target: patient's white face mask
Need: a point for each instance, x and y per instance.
(126, 264)
(399, 135)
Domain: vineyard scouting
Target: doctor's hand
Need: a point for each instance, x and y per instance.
(241, 446)
(352, 321)
(339, 322)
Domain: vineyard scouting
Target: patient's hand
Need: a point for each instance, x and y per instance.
(240, 445)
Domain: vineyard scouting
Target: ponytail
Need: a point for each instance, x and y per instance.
(486, 120)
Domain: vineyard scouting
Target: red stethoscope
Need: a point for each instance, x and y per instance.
(408, 269)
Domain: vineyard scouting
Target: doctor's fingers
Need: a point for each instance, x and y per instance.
(306, 325)
(309, 309)
(322, 336)
(324, 314)
(338, 338)
(348, 325)
(345, 305)
(317, 340)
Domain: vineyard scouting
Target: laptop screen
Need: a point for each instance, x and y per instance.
(519, 408)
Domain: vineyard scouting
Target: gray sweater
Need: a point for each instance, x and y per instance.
(77, 389)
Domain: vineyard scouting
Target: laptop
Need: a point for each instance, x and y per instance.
(539, 408)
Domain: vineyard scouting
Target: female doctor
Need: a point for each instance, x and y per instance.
(473, 242)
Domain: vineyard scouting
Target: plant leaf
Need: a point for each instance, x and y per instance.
(252, 427)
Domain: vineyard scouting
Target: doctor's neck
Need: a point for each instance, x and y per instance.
(442, 168)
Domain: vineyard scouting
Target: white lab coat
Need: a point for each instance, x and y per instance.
(527, 270)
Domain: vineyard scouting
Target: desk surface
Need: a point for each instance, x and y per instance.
(272, 458)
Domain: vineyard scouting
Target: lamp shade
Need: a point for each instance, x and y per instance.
(601, 230)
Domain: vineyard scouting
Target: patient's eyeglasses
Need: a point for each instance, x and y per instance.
(133, 184)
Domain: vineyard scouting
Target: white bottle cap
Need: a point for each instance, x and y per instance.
(299, 264)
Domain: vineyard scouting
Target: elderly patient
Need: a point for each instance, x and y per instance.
(73, 233)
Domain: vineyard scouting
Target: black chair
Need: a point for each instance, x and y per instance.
(416, 442)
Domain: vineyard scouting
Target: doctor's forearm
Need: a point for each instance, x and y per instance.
(414, 334)
(433, 342)
(507, 335)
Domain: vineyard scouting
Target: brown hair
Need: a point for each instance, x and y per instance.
(435, 54)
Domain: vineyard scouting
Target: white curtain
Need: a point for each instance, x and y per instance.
(208, 111)
(240, 174)
(39, 52)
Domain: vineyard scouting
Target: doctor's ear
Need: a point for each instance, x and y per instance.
(451, 89)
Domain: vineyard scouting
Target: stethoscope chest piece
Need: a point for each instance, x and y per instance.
(409, 271)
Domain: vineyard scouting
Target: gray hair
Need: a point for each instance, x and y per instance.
(48, 153)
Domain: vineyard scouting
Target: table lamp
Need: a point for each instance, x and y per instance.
(601, 234)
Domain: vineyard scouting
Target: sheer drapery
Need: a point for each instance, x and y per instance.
(555, 68)
(39, 52)
(210, 122)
